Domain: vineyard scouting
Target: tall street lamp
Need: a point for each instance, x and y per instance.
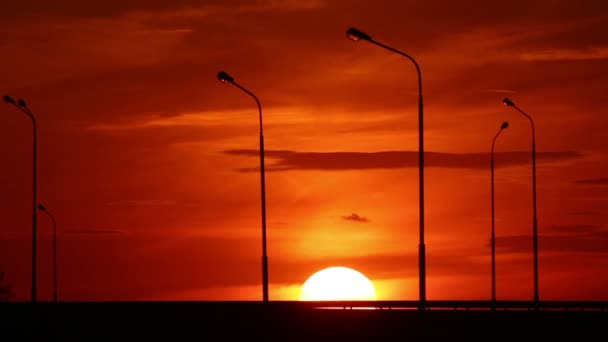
(225, 78)
(22, 106)
(510, 103)
(52, 217)
(502, 127)
(356, 35)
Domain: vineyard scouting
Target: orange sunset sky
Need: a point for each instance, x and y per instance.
(150, 165)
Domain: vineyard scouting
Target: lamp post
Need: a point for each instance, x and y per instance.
(44, 210)
(22, 106)
(356, 35)
(510, 103)
(225, 78)
(502, 127)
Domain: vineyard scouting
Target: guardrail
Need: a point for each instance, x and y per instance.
(462, 305)
(339, 305)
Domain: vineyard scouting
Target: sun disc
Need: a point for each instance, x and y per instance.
(337, 283)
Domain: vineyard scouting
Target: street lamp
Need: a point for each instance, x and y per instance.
(510, 103)
(356, 35)
(502, 127)
(22, 106)
(225, 78)
(44, 210)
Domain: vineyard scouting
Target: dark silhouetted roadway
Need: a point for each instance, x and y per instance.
(304, 321)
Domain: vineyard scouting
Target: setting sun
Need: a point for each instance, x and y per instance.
(338, 283)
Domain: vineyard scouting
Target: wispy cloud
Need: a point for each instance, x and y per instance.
(575, 229)
(592, 181)
(154, 120)
(7, 235)
(148, 202)
(566, 54)
(93, 231)
(295, 160)
(561, 243)
(562, 239)
(501, 91)
(78, 9)
(356, 218)
(583, 213)
(284, 5)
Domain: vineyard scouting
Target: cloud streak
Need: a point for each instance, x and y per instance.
(559, 239)
(340, 161)
(592, 181)
(567, 54)
(576, 229)
(151, 202)
(94, 232)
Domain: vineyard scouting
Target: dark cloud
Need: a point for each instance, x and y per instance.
(93, 232)
(182, 78)
(356, 218)
(592, 181)
(10, 236)
(118, 97)
(583, 213)
(469, 12)
(576, 229)
(559, 239)
(84, 9)
(294, 160)
(219, 11)
(151, 202)
(160, 136)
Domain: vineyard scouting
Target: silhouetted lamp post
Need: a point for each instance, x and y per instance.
(44, 210)
(224, 77)
(510, 103)
(22, 106)
(502, 127)
(356, 35)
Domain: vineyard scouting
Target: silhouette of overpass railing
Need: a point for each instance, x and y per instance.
(461, 305)
(434, 305)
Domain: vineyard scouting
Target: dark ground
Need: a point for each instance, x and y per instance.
(291, 321)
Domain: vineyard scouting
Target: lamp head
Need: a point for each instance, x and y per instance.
(356, 35)
(21, 103)
(9, 99)
(508, 103)
(41, 207)
(224, 77)
(504, 125)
